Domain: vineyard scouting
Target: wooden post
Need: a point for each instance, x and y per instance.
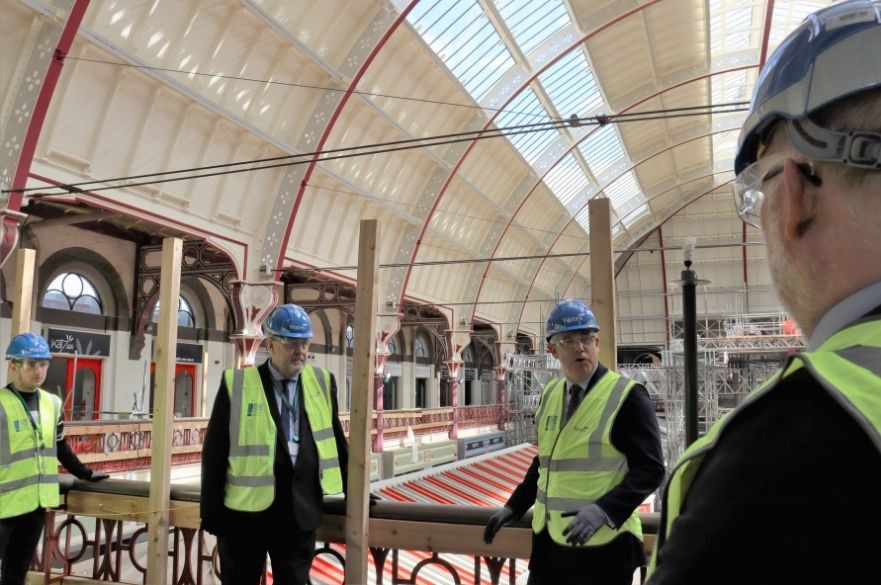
(24, 291)
(203, 387)
(366, 308)
(163, 404)
(602, 279)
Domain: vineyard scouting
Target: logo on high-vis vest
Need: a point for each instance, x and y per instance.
(254, 408)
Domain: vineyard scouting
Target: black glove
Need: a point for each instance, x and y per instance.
(98, 476)
(374, 498)
(495, 523)
(587, 521)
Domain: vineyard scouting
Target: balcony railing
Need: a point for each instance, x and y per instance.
(115, 445)
(112, 547)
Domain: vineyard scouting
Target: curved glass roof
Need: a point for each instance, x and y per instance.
(492, 47)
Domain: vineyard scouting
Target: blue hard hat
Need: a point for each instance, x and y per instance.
(571, 315)
(28, 346)
(831, 55)
(290, 321)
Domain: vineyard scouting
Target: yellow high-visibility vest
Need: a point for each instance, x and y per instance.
(28, 456)
(578, 463)
(847, 366)
(250, 481)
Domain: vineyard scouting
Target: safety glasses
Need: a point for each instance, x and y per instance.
(573, 340)
(749, 186)
(291, 343)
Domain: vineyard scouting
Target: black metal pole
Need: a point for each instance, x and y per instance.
(689, 314)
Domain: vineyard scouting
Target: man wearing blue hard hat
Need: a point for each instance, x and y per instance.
(782, 490)
(599, 457)
(274, 445)
(32, 444)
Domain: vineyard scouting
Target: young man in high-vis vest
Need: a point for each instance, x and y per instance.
(32, 444)
(599, 457)
(783, 489)
(274, 445)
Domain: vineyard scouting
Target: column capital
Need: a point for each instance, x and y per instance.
(252, 302)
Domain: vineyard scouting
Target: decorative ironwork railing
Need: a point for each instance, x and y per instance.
(99, 535)
(115, 445)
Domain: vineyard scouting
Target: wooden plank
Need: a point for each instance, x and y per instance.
(24, 291)
(364, 360)
(163, 405)
(602, 278)
(129, 508)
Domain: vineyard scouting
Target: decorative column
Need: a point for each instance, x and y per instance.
(378, 390)
(10, 224)
(252, 303)
(453, 367)
(459, 340)
(507, 345)
(501, 371)
(388, 325)
(28, 95)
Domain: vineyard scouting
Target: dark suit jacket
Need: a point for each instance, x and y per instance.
(298, 495)
(787, 496)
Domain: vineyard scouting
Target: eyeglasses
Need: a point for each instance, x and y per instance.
(292, 343)
(31, 364)
(573, 340)
(749, 194)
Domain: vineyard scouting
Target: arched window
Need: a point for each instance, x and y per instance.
(185, 315)
(419, 350)
(350, 337)
(71, 291)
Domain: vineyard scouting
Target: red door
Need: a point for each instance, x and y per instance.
(77, 381)
(184, 388)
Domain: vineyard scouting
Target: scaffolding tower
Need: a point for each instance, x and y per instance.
(733, 359)
(526, 377)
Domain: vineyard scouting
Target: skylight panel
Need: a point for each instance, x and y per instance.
(572, 86)
(583, 219)
(730, 87)
(787, 16)
(531, 23)
(602, 150)
(567, 180)
(732, 26)
(527, 109)
(625, 195)
(465, 40)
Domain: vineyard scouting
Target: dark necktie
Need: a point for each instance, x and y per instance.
(574, 399)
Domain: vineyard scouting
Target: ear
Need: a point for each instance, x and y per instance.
(553, 349)
(798, 201)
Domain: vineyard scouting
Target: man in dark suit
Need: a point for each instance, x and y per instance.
(274, 444)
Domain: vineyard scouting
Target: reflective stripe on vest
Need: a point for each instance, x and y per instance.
(847, 366)
(250, 482)
(28, 456)
(319, 410)
(578, 463)
(250, 478)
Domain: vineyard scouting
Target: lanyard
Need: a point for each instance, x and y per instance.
(292, 412)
